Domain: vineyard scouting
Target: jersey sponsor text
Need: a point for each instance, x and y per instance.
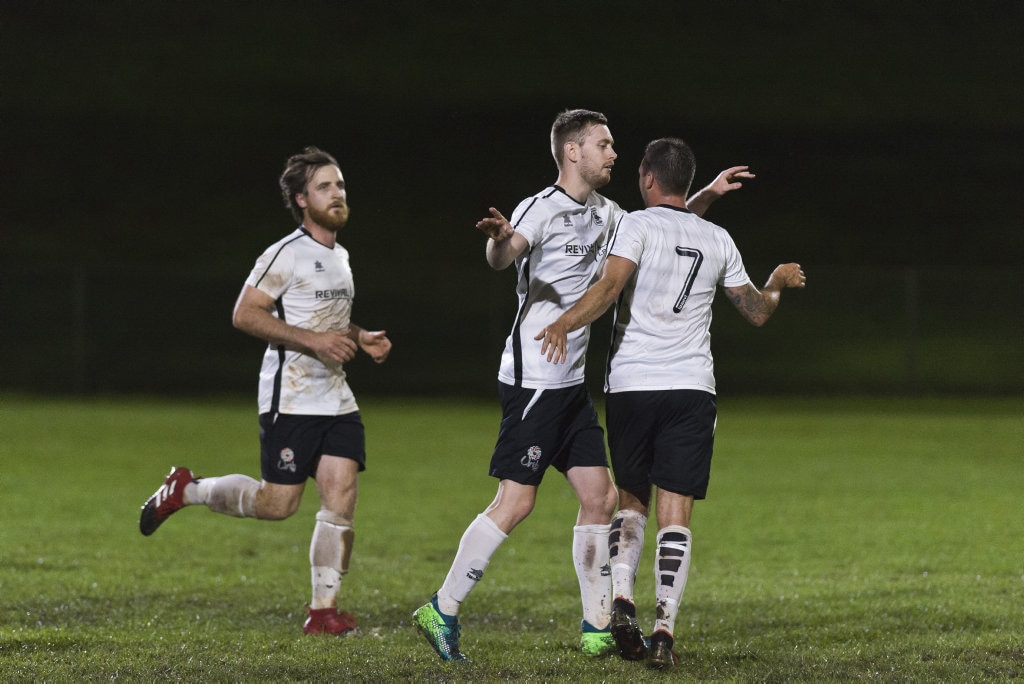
(333, 294)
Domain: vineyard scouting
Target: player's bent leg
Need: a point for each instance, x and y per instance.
(233, 495)
(241, 496)
(236, 495)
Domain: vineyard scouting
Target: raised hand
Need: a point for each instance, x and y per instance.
(496, 226)
(788, 275)
(730, 179)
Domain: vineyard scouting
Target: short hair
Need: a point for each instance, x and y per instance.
(572, 125)
(672, 162)
(298, 171)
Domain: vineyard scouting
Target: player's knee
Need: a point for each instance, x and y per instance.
(611, 499)
(276, 508)
(522, 506)
(276, 513)
(511, 508)
(602, 501)
(609, 509)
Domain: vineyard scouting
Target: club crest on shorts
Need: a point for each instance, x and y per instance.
(287, 460)
(532, 458)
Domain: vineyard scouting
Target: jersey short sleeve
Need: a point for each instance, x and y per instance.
(274, 271)
(734, 273)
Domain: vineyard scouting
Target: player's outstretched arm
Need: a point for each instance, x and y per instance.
(504, 245)
(727, 181)
(757, 306)
(594, 302)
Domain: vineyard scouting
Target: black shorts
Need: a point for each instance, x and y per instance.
(663, 438)
(291, 446)
(541, 428)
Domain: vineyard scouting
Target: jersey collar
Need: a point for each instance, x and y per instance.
(674, 208)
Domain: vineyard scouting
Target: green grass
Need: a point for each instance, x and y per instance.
(845, 539)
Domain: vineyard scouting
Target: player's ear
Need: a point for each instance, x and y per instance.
(300, 200)
(571, 152)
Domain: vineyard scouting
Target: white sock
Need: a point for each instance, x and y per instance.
(590, 556)
(671, 568)
(233, 495)
(479, 542)
(329, 552)
(625, 546)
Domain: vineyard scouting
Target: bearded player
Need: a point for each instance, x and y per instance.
(298, 298)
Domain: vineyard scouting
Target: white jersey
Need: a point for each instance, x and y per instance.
(312, 288)
(568, 241)
(661, 338)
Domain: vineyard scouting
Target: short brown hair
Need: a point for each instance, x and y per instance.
(298, 171)
(572, 125)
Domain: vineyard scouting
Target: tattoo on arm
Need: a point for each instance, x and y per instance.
(751, 303)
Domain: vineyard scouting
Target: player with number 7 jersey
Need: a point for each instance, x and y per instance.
(662, 270)
(662, 334)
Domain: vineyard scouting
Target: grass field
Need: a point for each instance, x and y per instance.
(843, 539)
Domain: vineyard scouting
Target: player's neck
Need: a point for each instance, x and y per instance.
(324, 236)
(666, 201)
(575, 187)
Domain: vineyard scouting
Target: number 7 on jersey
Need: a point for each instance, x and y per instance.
(697, 260)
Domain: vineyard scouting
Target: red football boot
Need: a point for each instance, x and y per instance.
(166, 500)
(329, 621)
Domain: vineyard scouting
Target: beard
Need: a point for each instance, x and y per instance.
(334, 218)
(597, 178)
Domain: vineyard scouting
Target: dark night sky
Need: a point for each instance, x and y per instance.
(886, 134)
(152, 123)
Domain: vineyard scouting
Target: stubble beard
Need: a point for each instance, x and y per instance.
(598, 178)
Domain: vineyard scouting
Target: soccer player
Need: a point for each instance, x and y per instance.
(663, 267)
(557, 241)
(299, 299)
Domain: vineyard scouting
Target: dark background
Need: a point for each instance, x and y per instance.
(141, 144)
